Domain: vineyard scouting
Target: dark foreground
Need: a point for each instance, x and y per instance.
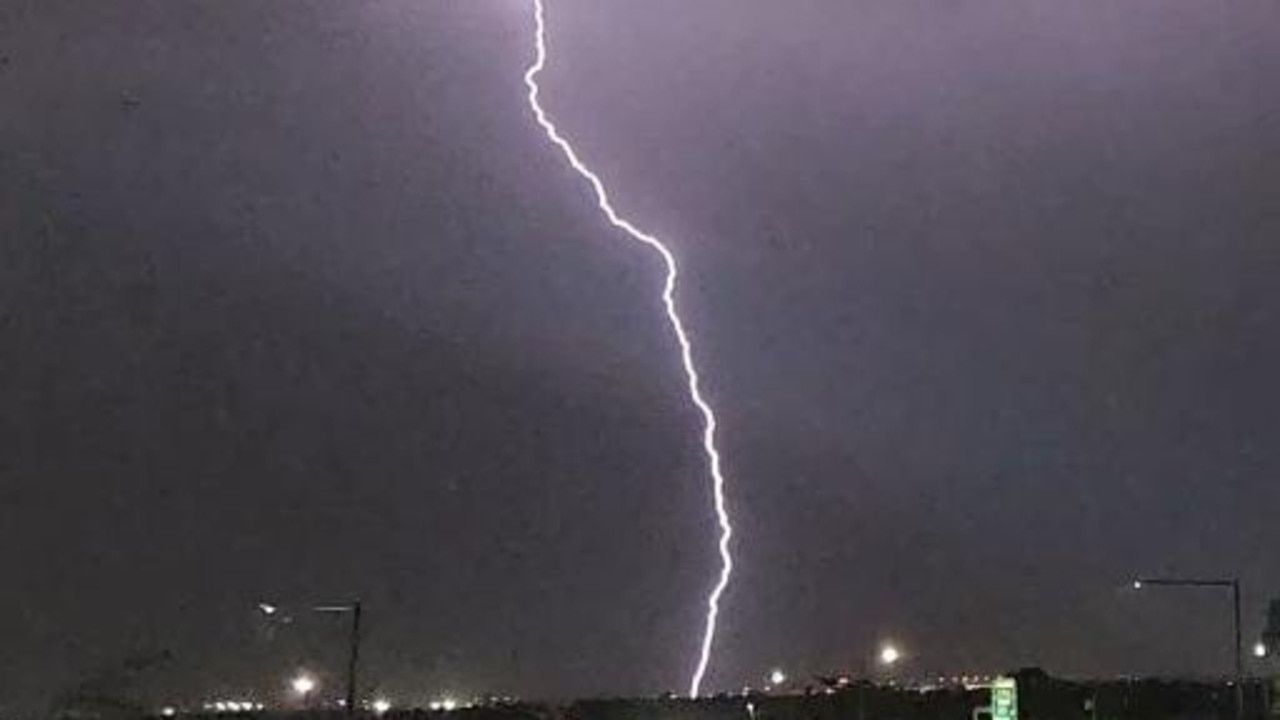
(1039, 698)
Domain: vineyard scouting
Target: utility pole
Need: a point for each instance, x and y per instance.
(353, 653)
(1235, 599)
(1234, 585)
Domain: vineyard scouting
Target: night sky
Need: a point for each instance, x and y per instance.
(297, 303)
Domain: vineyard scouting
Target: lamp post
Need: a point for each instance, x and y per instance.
(1234, 585)
(353, 656)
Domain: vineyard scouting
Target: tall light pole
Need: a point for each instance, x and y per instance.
(353, 657)
(1234, 585)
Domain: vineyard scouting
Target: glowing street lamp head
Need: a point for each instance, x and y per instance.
(890, 654)
(1259, 649)
(1137, 584)
(777, 677)
(303, 684)
(381, 705)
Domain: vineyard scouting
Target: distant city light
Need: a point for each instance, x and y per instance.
(381, 705)
(1137, 584)
(168, 711)
(890, 654)
(445, 704)
(268, 608)
(303, 684)
(1259, 650)
(777, 677)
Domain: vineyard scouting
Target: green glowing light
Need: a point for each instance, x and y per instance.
(1004, 699)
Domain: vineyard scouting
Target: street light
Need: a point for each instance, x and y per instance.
(777, 677)
(303, 684)
(353, 657)
(271, 610)
(1259, 649)
(1234, 585)
(889, 654)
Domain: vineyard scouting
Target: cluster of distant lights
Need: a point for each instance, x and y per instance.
(378, 705)
(226, 706)
(889, 654)
(304, 684)
(966, 680)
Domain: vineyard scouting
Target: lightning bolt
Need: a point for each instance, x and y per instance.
(677, 327)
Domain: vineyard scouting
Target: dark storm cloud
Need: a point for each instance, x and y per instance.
(992, 282)
(297, 303)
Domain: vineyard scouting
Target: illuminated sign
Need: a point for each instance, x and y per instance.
(1004, 699)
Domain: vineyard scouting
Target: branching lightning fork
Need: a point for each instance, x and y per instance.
(677, 326)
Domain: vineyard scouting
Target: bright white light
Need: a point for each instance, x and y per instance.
(889, 655)
(381, 705)
(605, 205)
(1259, 650)
(777, 677)
(268, 608)
(168, 711)
(446, 704)
(220, 706)
(303, 684)
(1137, 584)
